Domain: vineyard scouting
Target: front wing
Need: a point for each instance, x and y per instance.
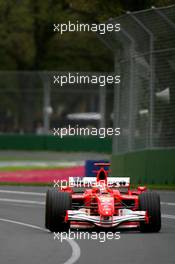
(125, 216)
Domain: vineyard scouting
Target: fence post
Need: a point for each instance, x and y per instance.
(116, 107)
(102, 105)
(152, 77)
(46, 102)
(165, 18)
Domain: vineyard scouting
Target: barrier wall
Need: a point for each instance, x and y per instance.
(34, 142)
(147, 166)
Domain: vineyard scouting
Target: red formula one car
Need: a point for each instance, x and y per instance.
(102, 201)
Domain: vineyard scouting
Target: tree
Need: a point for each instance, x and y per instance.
(28, 43)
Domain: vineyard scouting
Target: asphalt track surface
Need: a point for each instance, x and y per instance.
(23, 238)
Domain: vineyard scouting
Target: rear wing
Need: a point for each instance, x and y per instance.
(91, 182)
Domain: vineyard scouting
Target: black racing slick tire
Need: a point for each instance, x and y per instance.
(57, 203)
(150, 201)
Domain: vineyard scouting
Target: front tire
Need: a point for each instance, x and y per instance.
(150, 201)
(57, 203)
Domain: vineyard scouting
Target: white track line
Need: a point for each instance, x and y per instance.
(75, 247)
(42, 164)
(21, 201)
(168, 203)
(168, 216)
(76, 252)
(23, 193)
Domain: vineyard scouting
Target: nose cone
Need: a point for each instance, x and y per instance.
(106, 206)
(106, 211)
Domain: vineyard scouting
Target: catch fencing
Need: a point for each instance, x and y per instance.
(144, 103)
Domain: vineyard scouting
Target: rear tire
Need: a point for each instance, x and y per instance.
(57, 203)
(150, 201)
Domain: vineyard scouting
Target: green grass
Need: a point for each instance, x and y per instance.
(19, 168)
(21, 158)
(161, 187)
